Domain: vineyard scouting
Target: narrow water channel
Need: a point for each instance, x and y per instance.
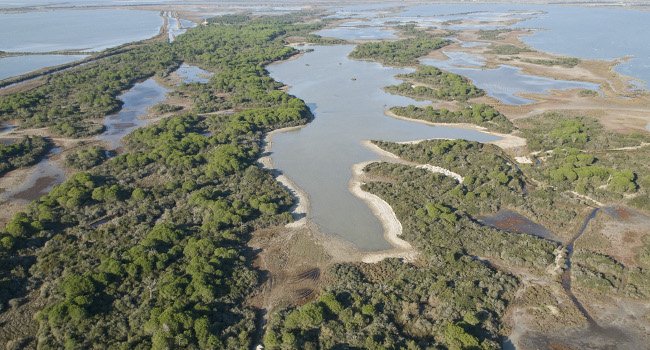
(566, 276)
(136, 101)
(348, 102)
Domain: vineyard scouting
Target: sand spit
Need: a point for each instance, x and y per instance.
(395, 158)
(386, 215)
(506, 141)
(381, 209)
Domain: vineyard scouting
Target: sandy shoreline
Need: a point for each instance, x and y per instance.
(393, 157)
(383, 211)
(333, 245)
(506, 141)
(301, 207)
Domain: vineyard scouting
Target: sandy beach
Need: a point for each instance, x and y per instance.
(386, 215)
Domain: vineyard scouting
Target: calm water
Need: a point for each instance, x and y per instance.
(564, 30)
(92, 30)
(514, 222)
(18, 65)
(40, 181)
(358, 33)
(193, 74)
(504, 83)
(319, 156)
(599, 33)
(136, 104)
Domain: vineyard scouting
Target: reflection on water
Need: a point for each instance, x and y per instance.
(136, 103)
(504, 83)
(348, 103)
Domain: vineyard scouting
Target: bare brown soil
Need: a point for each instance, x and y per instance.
(619, 108)
(618, 232)
(294, 262)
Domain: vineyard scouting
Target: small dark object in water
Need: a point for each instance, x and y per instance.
(354, 79)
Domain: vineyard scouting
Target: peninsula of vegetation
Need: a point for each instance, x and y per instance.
(182, 239)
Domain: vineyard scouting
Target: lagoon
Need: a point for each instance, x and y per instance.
(504, 83)
(348, 102)
(88, 30)
(17, 65)
(136, 103)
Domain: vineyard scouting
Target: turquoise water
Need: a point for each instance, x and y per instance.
(17, 65)
(92, 30)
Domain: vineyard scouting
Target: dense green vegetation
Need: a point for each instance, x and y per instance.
(86, 158)
(552, 130)
(403, 52)
(507, 49)
(478, 114)
(24, 152)
(436, 84)
(320, 40)
(449, 297)
(568, 62)
(580, 155)
(494, 34)
(163, 108)
(148, 249)
(69, 100)
(451, 301)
